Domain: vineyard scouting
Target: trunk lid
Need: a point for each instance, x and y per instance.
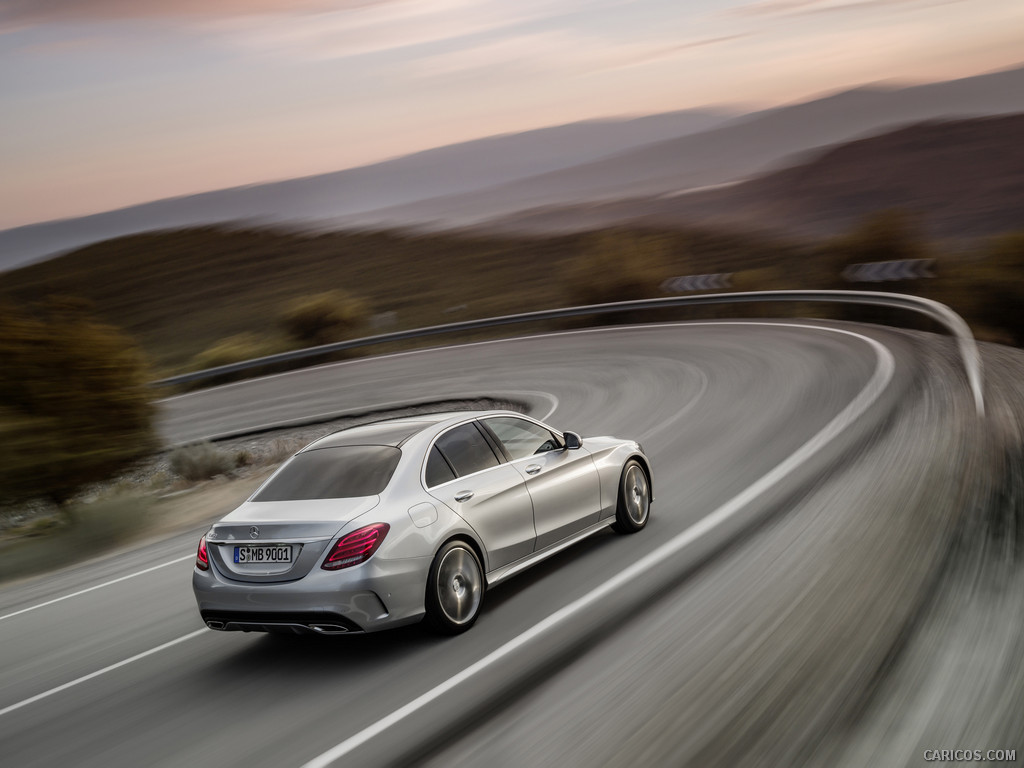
(275, 541)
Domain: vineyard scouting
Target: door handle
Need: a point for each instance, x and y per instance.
(533, 469)
(463, 495)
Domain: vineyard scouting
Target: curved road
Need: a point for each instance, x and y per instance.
(752, 639)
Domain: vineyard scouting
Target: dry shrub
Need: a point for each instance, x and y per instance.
(282, 448)
(324, 317)
(200, 461)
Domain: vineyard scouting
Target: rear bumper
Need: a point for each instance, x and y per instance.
(317, 623)
(377, 594)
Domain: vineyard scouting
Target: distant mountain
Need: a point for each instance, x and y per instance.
(737, 150)
(458, 168)
(466, 184)
(961, 178)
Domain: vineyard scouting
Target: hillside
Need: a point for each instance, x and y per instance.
(961, 179)
(737, 150)
(180, 292)
(453, 169)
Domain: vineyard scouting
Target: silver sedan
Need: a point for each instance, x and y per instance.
(395, 522)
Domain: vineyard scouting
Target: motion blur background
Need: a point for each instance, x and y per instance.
(437, 161)
(219, 181)
(191, 183)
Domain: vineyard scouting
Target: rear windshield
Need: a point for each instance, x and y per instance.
(333, 473)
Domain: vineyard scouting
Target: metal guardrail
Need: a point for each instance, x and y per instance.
(933, 309)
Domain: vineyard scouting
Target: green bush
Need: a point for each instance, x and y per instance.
(324, 317)
(200, 461)
(76, 405)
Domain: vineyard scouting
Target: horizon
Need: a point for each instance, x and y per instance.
(111, 105)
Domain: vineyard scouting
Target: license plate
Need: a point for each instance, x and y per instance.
(263, 554)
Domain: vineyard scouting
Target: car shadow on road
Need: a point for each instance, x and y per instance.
(547, 569)
(293, 657)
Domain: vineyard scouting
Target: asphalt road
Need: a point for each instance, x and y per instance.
(755, 635)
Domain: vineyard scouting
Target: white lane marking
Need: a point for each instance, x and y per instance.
(554, 407)
(682, 412)
(881, 377)
(98, 586)
(103, 671)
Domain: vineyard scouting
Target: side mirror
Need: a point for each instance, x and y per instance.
(573, 441)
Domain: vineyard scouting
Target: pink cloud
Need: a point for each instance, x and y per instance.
(23, 13)
(801, 7)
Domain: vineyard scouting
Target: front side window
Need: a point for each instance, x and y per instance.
(466, 450)
(341, 472)
(522, 438)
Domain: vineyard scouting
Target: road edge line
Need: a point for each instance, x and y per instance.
(97, 673)
(97, 586)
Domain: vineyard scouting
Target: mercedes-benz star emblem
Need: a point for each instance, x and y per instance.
(254, 532)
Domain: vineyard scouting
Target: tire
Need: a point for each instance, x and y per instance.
(455, 589)
(634, 507)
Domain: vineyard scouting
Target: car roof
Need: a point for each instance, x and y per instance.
(379, 433)
(395, 432)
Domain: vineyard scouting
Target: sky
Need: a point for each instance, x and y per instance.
(108, 103)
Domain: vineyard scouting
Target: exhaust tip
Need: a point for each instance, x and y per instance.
(215, 624)
(328, 629)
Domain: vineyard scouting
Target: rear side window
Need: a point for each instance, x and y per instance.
(438, 470)
(466, 450)
(333, 473)
(522, 438)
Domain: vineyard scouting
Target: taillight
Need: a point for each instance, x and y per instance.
(202, 558)
(357, 547)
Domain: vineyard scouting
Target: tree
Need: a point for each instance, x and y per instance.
(74, 403)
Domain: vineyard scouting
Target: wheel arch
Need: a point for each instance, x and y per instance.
(472, 542)
(645, 465)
